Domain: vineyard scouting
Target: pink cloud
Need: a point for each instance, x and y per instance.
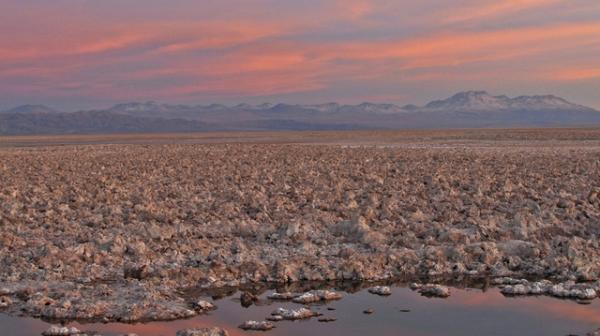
(284, 49)
(486, 9)
(576, 74)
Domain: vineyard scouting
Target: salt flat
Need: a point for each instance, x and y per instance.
(113, 227)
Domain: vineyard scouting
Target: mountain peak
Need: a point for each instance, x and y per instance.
(325, 107)
(469, 100)
(478, 101)
(469, 109)
(31, 109)
(246, 106)
(137, 107)
(472, 93)
(547, 100)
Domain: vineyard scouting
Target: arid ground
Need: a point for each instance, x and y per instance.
(117, 227)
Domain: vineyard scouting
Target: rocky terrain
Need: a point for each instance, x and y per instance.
(120, 232)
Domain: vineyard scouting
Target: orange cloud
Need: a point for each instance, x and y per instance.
(166, 37)
(494, 8)
(576, 74)
(252, 60)
(354, 9)
(453, 46)
(70, 48)
(271, 62)
(328, 46)
(277, 67)
(107, 44)
(220, 35)
(232, 86)
(32, 72)
(441, 50)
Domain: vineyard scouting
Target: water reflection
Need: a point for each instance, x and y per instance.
(466, 312)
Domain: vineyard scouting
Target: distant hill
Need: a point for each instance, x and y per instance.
(30, 109)
(90, 122)
(471, 109)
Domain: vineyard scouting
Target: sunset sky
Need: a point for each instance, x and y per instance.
(74, 54)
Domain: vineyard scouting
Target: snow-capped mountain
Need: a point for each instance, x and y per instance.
(470, 109)
(380, 108)
(140, 107)
(480, 101)
(544, 102)
(327, 107)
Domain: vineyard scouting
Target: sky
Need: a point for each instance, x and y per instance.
(77, 54)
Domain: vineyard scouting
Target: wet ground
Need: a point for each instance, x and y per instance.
(465, 312)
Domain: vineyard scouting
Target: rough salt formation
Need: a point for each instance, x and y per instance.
(317, 296)
(5, 301)
(274, 318)
(62, 331)
(204, 306)
(247, 299)
(282, 296)
(309, 297)
(295, 314)
(112, 232)
(127, 302)
(594, 333)
(203, 332)
(569, 289)
(431, 290)
(257, 325)
(380, 290)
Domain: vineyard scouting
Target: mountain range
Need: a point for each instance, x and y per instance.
(471, 109)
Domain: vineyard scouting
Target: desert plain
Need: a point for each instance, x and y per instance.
(126, 227)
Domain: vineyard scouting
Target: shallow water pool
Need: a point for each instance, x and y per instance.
(465, 312)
